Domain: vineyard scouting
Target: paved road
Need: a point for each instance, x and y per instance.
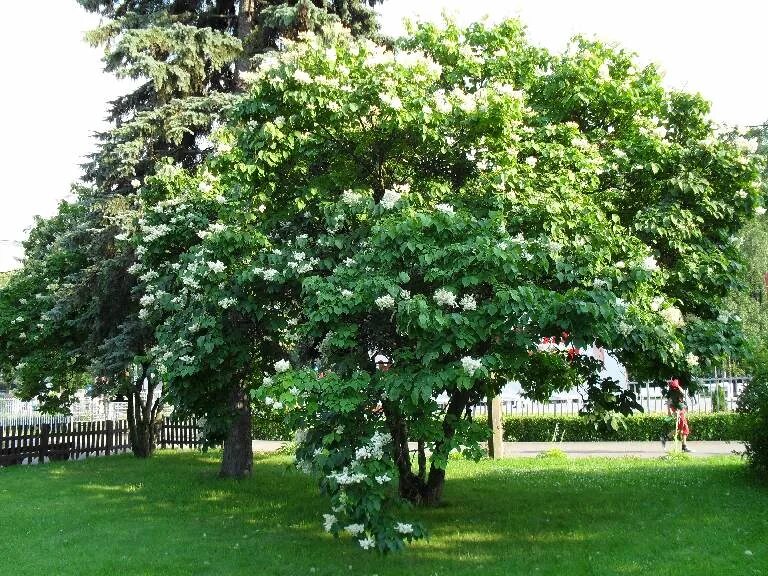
(584, 449)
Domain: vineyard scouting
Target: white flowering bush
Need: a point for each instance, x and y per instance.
(343, 441)
(446, 205)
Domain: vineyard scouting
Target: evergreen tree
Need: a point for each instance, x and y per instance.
(186, 57)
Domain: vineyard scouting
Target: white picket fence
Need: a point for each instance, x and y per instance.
(651, 399)
(14, 412)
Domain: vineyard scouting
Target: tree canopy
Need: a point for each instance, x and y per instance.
(465, 205)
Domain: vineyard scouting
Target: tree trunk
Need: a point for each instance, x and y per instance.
(244, 27)
(237, 461)
(143, 425)
(413, 487)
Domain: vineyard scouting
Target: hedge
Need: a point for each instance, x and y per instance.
(643, 427)
(269, 425)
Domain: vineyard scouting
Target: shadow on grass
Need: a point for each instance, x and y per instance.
(173, 515)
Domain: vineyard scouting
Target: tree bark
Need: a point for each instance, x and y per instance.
(143, 424)
(244, 27)
(237, 461)
(412, 487)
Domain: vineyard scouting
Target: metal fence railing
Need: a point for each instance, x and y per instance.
(650, 397)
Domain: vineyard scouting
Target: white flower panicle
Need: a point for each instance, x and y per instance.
(673, 315)
(367, 543)
(302, 77)
(268, 274)
(391, 100)
(216, 266)
(760, 210)
(468, 302)
(444, 208)
(351, 198)
(354, 529)
(393, 195)
(227, 302)
(692, 359)
(445, 297)
(282, 366)
(346, 477)
(404, 528)
(650, 264)
(383, 479)
(328, 521)
(385, 302)
(471, 365)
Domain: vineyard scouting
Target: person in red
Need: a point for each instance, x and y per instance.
(678, 408)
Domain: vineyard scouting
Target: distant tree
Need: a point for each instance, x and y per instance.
(5, 278)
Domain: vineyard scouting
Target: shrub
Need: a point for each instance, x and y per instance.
(719, 402)
(753, 407)
(643, 427)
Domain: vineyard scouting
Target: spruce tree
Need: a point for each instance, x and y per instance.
(185, 58)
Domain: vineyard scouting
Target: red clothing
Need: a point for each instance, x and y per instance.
(682, 422)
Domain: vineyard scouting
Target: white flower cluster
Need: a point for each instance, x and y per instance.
(272, 403)
(747, 144)
(268, 274)
(346, 477)
(213, 228)
(444, 208)
(673, 315)
(302, 77)
(351, 198)
(216, 267)
(354, 529)
(300, 264)
(393, 195)
(692, 359)
(391, 100)
(282, 366)
(385, 302)
(328, 521)
(374, 449)
(650, 264)
(468, 302)
(445, 297)
(367, 543)
(404, 528)
(152, 233)
(471, 365)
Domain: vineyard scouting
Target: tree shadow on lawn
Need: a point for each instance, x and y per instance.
(173, 515)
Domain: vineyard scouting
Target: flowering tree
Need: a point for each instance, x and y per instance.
(469, 207)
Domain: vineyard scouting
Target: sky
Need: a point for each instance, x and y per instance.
(57, 94)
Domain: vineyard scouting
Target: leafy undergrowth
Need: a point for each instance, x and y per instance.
(172, 516)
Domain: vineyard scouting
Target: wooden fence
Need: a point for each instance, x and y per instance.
(75, 440)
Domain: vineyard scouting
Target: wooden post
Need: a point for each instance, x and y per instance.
(496, 442)
(110, 437)
(45, 431)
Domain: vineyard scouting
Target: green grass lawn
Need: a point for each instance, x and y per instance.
(172, 516)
